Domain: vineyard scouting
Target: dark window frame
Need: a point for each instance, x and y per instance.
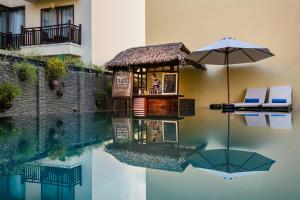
(57, 13)
(8, 10)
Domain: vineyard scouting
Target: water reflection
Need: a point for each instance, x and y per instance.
(149, 143)
(44, 157)
(106, 156)
(273, 120)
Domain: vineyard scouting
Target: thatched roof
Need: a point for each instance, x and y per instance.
(152, 56)
(168, 158)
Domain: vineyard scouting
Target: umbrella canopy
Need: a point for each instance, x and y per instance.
(230, 163)
(229, 51)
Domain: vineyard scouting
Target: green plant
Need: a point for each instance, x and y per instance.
(74, 61)
(98, 69)
(26, 71)
(9, 91)
(3, 61)
(7, 128)
(55, 69)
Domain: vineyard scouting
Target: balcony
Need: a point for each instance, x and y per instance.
(10, 41)
(46, 40)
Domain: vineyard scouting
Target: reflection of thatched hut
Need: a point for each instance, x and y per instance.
(160, 157)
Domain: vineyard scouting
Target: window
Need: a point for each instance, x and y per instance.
(12, 19)
(58, 15)
(3, 19)
(16, 20)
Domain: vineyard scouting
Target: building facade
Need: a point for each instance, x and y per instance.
(197, 23)
(91, 29)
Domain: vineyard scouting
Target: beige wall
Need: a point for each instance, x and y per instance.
(108, 26)
(117, 25)
(82, 15)
(274, 24)
(12, 3)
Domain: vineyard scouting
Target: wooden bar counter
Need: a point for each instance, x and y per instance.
(155, 105)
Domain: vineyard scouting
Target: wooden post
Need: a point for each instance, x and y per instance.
(22, 36)
(33, 36)
(9, 40)
(79, 34)
(69, 31)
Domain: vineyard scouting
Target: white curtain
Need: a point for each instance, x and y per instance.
(16, 20)
(49, 17)
(66, 15)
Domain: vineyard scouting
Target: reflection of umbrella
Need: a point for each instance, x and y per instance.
(230, 163)
(229, 51)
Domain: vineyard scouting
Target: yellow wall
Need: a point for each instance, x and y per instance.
(273, 24)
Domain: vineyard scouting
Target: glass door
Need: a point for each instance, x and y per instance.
(16, 20)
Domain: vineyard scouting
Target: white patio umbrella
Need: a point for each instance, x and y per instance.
(229, 51)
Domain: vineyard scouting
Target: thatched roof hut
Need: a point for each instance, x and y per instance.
(171, 54)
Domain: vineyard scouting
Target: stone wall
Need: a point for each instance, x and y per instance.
(38, 99)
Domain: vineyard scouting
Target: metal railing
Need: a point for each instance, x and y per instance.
(53, 175)
(10, 41)
(55, 34)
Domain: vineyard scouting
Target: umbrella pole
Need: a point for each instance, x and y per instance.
(228, 84)
(228, 130)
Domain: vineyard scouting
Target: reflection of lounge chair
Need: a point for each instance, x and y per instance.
(280, 98)
(280, 120)
(254, 119)
(254, 98)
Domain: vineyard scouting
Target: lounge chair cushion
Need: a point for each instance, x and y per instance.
(278, 100)
(252, 100)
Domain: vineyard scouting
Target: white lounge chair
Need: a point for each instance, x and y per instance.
(254, 98)
(280, 98)
(280, 120)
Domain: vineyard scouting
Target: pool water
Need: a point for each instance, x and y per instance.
(113, 156)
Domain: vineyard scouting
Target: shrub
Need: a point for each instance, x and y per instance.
(98, 69)
(74, 61)
(26, 71)
(55, 69)
(8, 92)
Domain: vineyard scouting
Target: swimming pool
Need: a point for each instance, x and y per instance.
(211, 155)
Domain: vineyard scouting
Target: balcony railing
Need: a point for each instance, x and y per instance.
(10, 41)
(55, 34)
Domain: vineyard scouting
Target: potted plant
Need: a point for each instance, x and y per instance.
(26, 71)
(55, 69)
(8, 92)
